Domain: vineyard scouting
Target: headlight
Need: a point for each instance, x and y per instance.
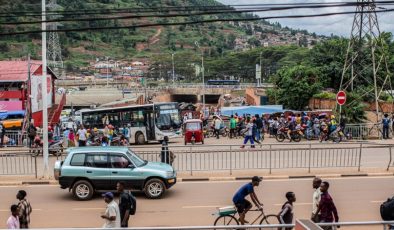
(170, 173)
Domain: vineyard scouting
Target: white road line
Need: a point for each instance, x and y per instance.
(207, 206)
(295, 204)
(377, 201)
(7, 210)
(87, 209)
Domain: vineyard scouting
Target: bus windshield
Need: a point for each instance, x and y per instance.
(167, 117)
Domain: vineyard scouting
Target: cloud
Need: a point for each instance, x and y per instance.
(338, 24)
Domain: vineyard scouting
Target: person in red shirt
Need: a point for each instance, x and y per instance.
(327, 210)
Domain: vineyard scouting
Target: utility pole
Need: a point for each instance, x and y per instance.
(203, 77)
(173, 68)
(54, 56)
(259, 80)
(365, 35)
(107, 72)
(44, 92)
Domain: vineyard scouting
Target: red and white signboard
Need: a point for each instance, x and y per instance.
(341, 98)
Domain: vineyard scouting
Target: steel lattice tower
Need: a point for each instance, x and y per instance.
(366, 57)
(54, 54)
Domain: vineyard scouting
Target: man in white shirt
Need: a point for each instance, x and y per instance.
(82, 136)
(316, 198)
(217, 124)
(112, 213)
(13, 220)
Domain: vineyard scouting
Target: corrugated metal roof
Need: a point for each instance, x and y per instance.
(17, 71)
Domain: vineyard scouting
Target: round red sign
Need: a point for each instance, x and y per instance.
(341, 98)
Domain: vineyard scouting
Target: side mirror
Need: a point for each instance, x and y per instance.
(130, 166)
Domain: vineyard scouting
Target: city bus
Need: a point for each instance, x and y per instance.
(150, 122)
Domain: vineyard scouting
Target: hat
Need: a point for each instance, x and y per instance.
(109, 195)
(257, 179)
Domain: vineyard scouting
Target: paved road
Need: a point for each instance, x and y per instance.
(192, 203)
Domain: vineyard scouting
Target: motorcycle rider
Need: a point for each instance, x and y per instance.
(333, 124)
(291, 125)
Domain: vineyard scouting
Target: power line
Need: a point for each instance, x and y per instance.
(189, 22)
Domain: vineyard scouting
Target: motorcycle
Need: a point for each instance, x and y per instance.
(224, 131)
(295, 135)
(55, 147)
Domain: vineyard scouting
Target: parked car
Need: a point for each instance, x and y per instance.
(97, 169)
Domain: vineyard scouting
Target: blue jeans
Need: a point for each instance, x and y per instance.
(248, 138)
(258, 136)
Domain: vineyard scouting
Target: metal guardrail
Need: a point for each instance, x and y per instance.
(271, 157)
(15, 138)
(17, 163)
(364, 131)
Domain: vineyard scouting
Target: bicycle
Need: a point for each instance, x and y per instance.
(227, 216)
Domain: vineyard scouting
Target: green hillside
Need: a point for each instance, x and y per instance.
(79, 48)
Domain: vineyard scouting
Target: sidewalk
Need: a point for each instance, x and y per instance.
(225, 175)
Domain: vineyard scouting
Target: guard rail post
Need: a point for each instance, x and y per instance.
(231, 160)
(388, 166)
(309, 160)
(35, 166)
(359, 157)
(191, 161)
(270, 156)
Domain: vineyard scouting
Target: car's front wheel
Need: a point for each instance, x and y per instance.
(83, 190)
(154, 188)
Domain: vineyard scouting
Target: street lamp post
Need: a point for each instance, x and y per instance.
(44, 92)
(173, 68)
(203, 77)
(107, 72)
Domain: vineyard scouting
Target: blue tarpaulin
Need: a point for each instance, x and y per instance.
(252, 110)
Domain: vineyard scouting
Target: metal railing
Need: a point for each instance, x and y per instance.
(14, 138)
(270, 157)
(17, 163)
(364, 131)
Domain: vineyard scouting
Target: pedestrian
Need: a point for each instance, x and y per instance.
(217, 125)
(25, 209)
(71, 138)
(124, 204)
(233, 126)
(165, 153)
(386, 124)
(112, 213)
(286, 214)
(13, 220)
(327, 210)
(316, 198)
(82, 136)
(254, 133)
(31, 132)
(259, 126)
(248, 133)
(2, 134)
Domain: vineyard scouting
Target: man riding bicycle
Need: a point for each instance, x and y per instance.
(243, 205)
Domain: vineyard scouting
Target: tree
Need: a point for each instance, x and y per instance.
(295, 86)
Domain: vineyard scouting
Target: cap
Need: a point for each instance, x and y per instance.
(257, 179)
(109, 195)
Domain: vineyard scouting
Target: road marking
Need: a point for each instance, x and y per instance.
(207, 206)
(7, 210)
(377, 201)
(87, 209)
(296, 204)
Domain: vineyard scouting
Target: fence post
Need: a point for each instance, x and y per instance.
(270, 156)
(310, 155)
(231, 160)
(388, 166)
(191, 161)
(35, 166)
(359, 157)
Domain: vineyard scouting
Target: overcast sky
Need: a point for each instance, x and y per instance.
(337, 25)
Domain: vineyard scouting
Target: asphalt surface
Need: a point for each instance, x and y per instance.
(192, 203)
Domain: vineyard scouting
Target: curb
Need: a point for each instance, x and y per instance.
(198, 179)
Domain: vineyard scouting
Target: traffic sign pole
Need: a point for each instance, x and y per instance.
(341, 100)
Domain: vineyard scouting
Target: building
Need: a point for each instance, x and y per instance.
(20, 89)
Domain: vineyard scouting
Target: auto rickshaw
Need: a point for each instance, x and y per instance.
(193, 129)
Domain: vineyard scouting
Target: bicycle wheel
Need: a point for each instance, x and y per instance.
(226, 220)
(269, 219)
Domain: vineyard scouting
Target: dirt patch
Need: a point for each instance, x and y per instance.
(82, 49)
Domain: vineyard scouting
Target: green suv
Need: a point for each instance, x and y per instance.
(89, 169)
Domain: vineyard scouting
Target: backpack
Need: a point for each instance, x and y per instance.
(133, 204)
(387, 209)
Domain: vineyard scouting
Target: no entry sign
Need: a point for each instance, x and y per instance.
(341, 98)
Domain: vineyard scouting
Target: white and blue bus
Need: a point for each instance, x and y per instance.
(150, 122)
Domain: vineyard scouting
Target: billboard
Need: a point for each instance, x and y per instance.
(36, 95)
(10, 105)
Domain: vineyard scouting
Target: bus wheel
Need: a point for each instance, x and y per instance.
(140, 139)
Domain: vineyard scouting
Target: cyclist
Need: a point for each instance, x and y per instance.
(243, 205)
